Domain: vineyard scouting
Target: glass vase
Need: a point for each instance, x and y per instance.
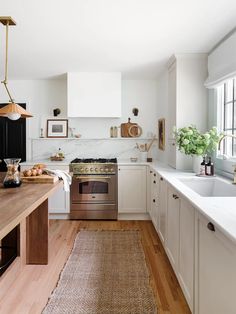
(12, 178)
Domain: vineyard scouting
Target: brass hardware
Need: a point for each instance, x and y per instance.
(12, 108)
(223, 137)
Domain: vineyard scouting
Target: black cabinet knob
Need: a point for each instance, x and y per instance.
(150, 171)
(155, 174)
(211, 227)
(154, 200)
(161, 179)
(154, 182)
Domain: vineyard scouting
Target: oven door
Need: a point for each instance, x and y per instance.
(93, 189)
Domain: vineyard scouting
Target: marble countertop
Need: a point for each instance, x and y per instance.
(219, 210)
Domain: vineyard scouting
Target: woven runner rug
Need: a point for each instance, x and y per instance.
(106, 273)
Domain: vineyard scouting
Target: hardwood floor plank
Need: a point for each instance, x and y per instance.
(34, 284)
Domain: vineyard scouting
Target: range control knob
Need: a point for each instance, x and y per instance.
(101, 169)
(96, 169)
(106, 169)
(86, 169)
(111, 169)
(81, 169)
(91, 169)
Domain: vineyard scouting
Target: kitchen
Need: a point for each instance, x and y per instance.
(183, 230)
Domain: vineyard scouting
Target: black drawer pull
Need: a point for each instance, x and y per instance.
(154, 182)
(154, 200)
(154, 174)
(211, 227)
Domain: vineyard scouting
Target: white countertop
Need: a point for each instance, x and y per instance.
(219, 210)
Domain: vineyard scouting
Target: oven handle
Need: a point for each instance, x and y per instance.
(91, 177)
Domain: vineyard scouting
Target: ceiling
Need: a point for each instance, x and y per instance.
(135, 37)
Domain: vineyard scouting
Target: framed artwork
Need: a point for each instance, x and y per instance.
(57, 128)
(161, 134)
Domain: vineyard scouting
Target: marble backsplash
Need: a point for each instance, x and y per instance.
(121, 148)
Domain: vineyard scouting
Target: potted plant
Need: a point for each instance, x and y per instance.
(191, 142)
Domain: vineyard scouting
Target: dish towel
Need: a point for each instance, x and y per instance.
(61, 175)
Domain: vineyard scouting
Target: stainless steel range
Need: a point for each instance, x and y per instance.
(94, 189)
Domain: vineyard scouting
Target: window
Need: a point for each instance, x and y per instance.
(226, 97)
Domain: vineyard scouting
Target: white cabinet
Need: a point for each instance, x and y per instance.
(59, 201)
(172, 232)
(132, 189)
(215, 271)
(186, 250)
(187, 100)
(94, 94)
(155, 199)
(162, 208)
(179, 243)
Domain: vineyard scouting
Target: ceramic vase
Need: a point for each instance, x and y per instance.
(197, 164)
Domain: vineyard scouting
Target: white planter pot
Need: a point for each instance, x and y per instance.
(197, 164)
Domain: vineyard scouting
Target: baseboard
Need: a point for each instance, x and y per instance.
(134, 216)
(59, 216)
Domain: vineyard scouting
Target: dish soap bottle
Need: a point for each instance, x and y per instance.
(203, 167)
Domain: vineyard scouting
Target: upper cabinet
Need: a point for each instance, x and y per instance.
(187, 100)
(96, 95)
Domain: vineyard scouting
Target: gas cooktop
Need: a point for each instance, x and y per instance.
(94, 160)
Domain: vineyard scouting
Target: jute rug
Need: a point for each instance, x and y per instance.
(106, 273)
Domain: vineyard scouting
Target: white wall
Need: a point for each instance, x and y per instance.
(162, 110)
(42, 96)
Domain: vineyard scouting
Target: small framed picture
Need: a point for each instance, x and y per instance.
(57, 128)
(161, 134)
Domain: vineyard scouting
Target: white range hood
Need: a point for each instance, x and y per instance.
(94, 94)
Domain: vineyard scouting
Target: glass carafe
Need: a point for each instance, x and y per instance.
(12, 178)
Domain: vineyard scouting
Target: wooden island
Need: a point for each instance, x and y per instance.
(25, 210)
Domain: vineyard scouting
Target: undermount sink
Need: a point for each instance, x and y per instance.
(210, 187)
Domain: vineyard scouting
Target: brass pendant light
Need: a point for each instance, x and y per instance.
(13, 111)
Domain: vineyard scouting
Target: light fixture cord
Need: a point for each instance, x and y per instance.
(6, 65)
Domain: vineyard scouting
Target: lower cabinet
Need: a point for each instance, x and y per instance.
(179, 243)
(172, 232)
(215, 271)
(132, 189)
(59, 202)
(186, 250)
(162, 208)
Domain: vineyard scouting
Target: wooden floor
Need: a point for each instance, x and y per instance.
(32, 287)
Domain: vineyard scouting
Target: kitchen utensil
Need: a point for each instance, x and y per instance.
(125, 129)
(44, 178)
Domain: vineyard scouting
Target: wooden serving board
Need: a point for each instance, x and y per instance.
(124, 129)
(44, 178)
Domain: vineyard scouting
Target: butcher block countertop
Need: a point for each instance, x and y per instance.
(18, 203)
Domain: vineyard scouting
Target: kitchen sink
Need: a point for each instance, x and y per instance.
(210, 187)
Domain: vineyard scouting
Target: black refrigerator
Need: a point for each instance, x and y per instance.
(12, 139)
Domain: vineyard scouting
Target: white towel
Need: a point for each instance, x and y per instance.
(61, 175)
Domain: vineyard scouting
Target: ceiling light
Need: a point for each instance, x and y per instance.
(13, 111)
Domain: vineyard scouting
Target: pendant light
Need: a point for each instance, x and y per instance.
(12, 111)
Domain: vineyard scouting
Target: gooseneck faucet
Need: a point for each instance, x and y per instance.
(223, 137)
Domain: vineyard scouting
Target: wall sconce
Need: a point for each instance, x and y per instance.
(135, 112)
(56, 112)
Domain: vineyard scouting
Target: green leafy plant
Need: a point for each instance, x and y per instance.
(191, 142)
